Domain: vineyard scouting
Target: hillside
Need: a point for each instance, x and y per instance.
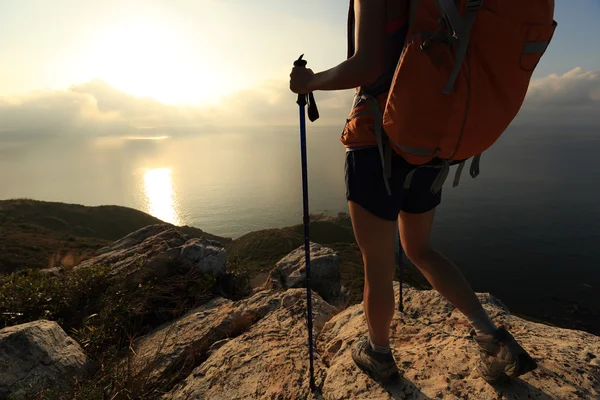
(37, 234)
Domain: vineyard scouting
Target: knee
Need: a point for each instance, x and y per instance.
(378, 254)
(379, 270)
(419, 255)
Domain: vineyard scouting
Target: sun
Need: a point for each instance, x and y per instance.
(151, 57)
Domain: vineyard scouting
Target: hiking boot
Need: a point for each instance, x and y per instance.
(502, 357)
(381, 367)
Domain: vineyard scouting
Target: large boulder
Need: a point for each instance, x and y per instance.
(160, 248)
(37, 355)
(290, 272)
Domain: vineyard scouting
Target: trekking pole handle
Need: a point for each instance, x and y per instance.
(300, 63)
(313, 111)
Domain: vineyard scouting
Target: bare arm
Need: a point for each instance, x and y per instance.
(366, 63)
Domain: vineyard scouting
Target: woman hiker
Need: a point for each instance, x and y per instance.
(377, 29)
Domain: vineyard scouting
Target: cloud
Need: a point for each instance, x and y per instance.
(568, 100)
(97, 109)
(93, 108)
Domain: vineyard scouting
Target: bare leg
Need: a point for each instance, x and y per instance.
(443, 275)
(447, 279)
(375, 237)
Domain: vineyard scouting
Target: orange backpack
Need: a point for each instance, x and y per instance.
(460, 81)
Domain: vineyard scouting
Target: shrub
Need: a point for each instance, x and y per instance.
(100, 311)
(67, 299)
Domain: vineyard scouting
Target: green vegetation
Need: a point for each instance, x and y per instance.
(105, 314)
(100, 312)
(68, 300)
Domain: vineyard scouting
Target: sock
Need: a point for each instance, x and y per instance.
(481, 322)
(379, 349)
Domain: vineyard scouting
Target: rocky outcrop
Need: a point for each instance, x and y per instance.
(267, 361)
(257, 347)
(36, 355)
(430, 341)
(290, 272)
(160, 248)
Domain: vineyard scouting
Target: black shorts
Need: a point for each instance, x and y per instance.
(365, 185)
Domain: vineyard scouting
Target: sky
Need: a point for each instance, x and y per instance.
(73, 65)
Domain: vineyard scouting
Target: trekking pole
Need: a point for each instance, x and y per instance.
(313, 114)
(400, 274)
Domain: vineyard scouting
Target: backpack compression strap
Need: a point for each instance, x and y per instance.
(461, 30)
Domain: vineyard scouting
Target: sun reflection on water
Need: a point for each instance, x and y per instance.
(162, 201)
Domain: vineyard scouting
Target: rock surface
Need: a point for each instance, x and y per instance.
(268, 358)
(160, 248)
(184, 344)
(290, 272)
(267, 361)
(431, 345)
(36, 355)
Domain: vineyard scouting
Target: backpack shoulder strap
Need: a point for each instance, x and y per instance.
(351, 16)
